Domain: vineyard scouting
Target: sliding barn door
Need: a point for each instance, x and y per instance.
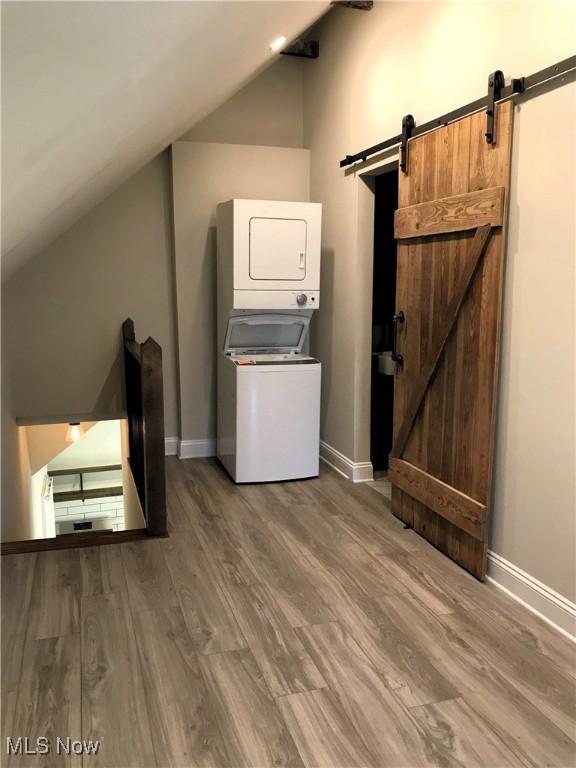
(451, 240)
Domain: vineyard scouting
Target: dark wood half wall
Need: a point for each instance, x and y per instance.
(72, 540)
(145, 409)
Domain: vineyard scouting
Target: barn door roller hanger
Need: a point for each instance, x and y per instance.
(556, 75)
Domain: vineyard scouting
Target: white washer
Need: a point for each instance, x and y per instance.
(268, 387)
(272, 429)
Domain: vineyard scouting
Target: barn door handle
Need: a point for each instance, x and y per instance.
(397, 319)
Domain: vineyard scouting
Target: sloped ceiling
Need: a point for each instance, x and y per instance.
(91, 91)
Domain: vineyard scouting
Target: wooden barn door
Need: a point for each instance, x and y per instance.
(451, 241)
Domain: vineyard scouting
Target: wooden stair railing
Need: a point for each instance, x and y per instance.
(145, 409)
(145, 412)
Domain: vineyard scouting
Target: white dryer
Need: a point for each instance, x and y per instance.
(268, 386)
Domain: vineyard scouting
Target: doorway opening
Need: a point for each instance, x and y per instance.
(383, 308)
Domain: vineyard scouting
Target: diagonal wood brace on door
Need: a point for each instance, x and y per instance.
(430, 365)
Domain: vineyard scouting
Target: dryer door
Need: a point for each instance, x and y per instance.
(277, 249)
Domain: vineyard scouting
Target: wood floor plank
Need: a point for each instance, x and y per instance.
(217, 540)
(514, 718)
(533, 676)
(529, 629)
(102, 570)
(404, 666)
(325, 737)
(55, 601)
(114, 706)
(149, 581)
(283, 660)
(430, 587)
(346, 603)
(48, 703)
(8, 702)
(305, 532)
(208, 615)
(370, 521)
(274, 565)
(385, 727)
(511, 616)
(328, 589)
(254, 733)
(17, 580)
(456, 735)
(185, 732)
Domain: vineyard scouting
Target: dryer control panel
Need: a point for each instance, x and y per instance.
(276, 300)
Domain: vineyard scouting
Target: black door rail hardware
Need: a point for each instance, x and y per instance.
(495, 86)
(303, 49)
(408, 125)
(396, 357)
(557, 74)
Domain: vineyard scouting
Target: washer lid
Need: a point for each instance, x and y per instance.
(274, 360)
(266, 333)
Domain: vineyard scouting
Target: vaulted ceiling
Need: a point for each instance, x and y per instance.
(93, 90)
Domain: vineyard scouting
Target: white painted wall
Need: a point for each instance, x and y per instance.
(43, 525)
(46, 441)
(100, 446)
(534, 518)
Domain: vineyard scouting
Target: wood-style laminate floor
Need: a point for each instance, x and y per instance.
(291, 624)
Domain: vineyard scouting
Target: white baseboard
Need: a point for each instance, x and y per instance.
(171, 446)
(197, 449)
(357, 471)
(551, 606)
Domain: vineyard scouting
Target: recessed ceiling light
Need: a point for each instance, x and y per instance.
(278, 44)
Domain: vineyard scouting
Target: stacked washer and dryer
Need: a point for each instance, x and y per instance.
(268, 386)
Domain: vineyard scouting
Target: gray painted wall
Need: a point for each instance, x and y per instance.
(61, 314)
(269, 111)
(64, 309)
(534, 518)
(203, 176)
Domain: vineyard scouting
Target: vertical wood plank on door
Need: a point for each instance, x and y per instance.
(254, 732)
(17, 580)
(452, 436)
(114, 708)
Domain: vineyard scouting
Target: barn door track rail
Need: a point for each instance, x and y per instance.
(556, 75)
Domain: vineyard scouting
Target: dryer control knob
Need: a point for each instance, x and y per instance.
(301, 299)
